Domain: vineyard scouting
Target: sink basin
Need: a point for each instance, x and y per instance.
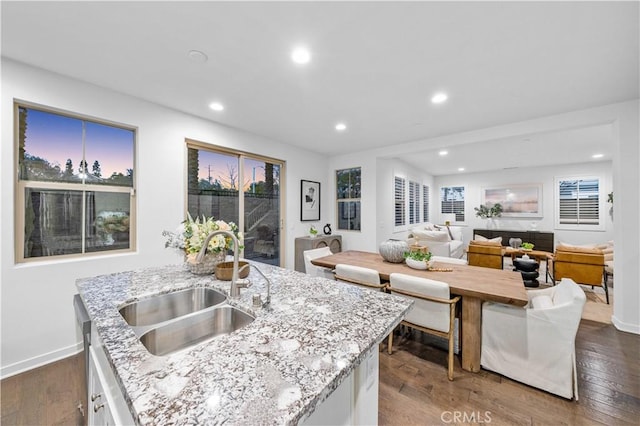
(188, 331)
(164, 307)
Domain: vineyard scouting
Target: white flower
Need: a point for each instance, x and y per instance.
(222, 225)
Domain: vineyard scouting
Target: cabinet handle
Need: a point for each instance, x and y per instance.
(95, 396)
(97, 407)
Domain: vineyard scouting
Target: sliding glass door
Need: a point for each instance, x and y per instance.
(241, 188)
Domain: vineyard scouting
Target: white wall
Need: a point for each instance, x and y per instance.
(38, 322)
(475, 182)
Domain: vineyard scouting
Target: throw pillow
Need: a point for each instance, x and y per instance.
(442, 236)
(590, 249)
(486, 243)
(477, 237)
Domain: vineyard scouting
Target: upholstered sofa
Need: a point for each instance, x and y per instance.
(443, 241)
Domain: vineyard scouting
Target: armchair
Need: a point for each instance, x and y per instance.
(488, 254)
(582, 264)
(446, 242)
(535, 345)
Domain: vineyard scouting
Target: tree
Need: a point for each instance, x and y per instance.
(192, 170)
(22, 139)
(83, 167)
(68, 169)
(96, 169)
(233, 177)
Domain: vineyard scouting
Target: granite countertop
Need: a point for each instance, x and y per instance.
(275, 370)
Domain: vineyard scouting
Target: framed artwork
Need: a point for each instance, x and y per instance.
(516, 200)
(309, 200)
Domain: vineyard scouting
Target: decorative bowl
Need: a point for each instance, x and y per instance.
(224, 270)
(418, 264)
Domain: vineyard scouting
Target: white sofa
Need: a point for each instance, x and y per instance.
(445, 241)
(536, 344)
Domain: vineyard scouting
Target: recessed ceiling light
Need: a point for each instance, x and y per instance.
(216, 106)
(461, 169)
(301, 55)
(439, 98)
(198, 56)
(443, 152)
(341, 127)
(597, 156)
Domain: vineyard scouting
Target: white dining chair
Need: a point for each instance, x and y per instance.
(433, 311)
(313, 270)
(358, 275)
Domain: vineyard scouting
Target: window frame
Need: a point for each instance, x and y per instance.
(602, 196)
(357, 201)
(464, 201)
(399, 203)
(20, 186)
(426, 191)
(414, 203)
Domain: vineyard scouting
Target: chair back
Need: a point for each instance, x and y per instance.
(312, 269)
(485, 255)
(584, 266)
(365, 277)
(425, 313)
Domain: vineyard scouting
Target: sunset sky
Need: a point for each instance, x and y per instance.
(57, 138)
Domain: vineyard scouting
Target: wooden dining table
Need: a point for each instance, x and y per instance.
(473, 283)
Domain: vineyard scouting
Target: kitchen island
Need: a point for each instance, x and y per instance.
(279, 369)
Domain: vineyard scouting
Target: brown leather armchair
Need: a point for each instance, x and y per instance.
(583, 265)
(487, 254)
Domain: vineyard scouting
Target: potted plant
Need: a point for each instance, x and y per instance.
(418, 259)
(313, 231)
(526, 246)
(489, 213)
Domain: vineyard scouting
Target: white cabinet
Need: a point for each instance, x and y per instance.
(106, 403)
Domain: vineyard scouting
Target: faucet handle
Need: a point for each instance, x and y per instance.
(243, 283)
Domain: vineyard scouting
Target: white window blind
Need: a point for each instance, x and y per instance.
(414, 202)
(399, 202)
(452, 201)
(579, 201)
(425, 203)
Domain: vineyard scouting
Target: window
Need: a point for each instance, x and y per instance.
(414, 202)
(242, 188)
(399, 202)
(75, 188)
(579, 202)
(425, 203)
(452, 201)
(348, 192)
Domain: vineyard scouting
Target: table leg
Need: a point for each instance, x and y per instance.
(471, 333)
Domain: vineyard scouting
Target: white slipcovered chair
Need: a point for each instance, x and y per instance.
(433, 311)
(535, 344)
(364, 277)
(313, 270)
(442, 241)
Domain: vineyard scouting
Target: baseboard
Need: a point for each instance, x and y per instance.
(629, 328)
(40, 360)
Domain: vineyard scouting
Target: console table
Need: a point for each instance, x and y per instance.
(542, 241)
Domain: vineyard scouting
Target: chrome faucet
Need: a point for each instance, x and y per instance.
(235, 289)
(267, 302)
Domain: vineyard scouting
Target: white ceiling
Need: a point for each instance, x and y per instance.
(374, 66)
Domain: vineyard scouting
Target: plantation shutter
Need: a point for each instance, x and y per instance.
(425, 203)
(399, 200)
(579, 202)
(414, 202)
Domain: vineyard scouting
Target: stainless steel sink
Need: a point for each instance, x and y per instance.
(163, 307)
(190, 330)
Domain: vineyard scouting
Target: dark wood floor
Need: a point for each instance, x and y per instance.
(48, 395)
(414, 389)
